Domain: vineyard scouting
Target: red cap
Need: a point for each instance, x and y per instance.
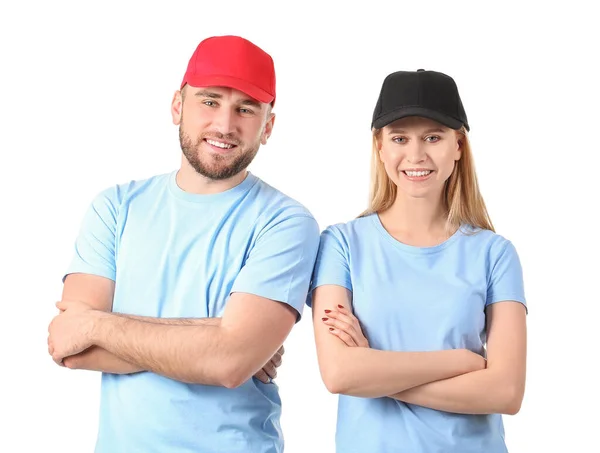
(234, 62)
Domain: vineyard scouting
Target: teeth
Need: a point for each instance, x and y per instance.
(219, 144)
(417, 173)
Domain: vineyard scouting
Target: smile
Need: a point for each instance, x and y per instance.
(218, 144)
(417, 173)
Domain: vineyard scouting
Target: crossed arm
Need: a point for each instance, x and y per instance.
(213, 351)
(451, 380)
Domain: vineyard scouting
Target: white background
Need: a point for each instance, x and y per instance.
(84, 103)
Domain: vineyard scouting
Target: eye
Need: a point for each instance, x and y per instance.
(433, 138)
(245, 111)
(209, 103)
(399, 140)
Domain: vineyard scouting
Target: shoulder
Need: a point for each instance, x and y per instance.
(121, 193)
(277, 206)
(483, 238)
(350, 230)
(493, 245)
(277, 212)
(343, 235)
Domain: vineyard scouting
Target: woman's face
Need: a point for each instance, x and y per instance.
(419, 155)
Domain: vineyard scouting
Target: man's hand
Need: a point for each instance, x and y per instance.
(269, 371)
(70, 331)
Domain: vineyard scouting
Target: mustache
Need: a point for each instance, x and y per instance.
(229, 138)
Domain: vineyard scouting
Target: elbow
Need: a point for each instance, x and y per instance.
(232, 382)
(232, 377)
(234, 373)
(513, 406)
(335, 379)
(512, 400)
(219, 374)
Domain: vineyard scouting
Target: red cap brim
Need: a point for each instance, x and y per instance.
(230, 82)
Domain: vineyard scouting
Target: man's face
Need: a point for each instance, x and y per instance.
(220, 129)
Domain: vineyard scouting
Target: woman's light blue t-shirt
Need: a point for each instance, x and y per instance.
(417, 299)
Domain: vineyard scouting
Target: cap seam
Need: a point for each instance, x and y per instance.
(419, 88)
(236, 78)
(420, 106)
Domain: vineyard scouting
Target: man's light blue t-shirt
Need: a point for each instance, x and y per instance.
(417, 299)
(174, 254)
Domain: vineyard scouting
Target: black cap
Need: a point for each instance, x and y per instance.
(423, 93)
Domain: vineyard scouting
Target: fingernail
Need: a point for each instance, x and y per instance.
(331, 328)
(324, 319)
(327, 311)
(340, 306)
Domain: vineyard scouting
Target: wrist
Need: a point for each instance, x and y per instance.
(98, 326)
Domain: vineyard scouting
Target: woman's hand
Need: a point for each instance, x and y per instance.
(343, 324)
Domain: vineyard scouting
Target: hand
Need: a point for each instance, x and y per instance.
(343, 324)
(269, 371)
(70, 331)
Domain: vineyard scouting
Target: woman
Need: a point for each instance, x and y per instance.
(411, 296)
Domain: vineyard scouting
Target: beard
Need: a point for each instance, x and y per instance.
(215, 166)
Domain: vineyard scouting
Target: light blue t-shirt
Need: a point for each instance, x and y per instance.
(417, 299)
(176, 254)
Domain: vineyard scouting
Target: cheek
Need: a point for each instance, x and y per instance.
(254, 132)
(446, 163)
(391, 159)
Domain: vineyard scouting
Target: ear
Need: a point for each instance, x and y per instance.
(177, 107)
(378, 145)
(268, 129)
(459, 147)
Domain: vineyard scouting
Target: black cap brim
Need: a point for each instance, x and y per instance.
(404, 112)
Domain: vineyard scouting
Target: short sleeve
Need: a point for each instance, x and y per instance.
(505, 281)
(280, 264)
(95, 244)
(331, 267)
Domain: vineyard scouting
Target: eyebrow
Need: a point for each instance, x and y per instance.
(208, 94)
(252, 102)
(428, 131)
(213, 95)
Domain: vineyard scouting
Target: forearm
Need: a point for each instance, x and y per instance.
(373, 373)
(497, 389)
(193, 353)
(478, 392)
(174, 321)
(99, 359)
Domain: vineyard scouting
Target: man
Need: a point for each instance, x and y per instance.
(184, 285)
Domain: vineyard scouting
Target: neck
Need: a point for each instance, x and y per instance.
(416, 221)
(189, 180)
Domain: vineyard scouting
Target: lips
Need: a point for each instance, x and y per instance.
(420, 174)
(415, 173)
(219, 143)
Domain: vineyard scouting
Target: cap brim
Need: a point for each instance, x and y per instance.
(230, 82)
(405, 112)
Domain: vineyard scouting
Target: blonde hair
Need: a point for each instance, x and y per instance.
(462, 199)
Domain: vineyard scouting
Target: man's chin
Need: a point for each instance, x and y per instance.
(217, 173)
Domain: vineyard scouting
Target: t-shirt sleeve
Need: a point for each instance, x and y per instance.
(95, 244)
(280, 264)
(331, 267)
(506, 276)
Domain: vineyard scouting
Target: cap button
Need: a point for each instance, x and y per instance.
(420, 70)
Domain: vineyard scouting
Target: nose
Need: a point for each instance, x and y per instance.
(416, 153)
(224, 121)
